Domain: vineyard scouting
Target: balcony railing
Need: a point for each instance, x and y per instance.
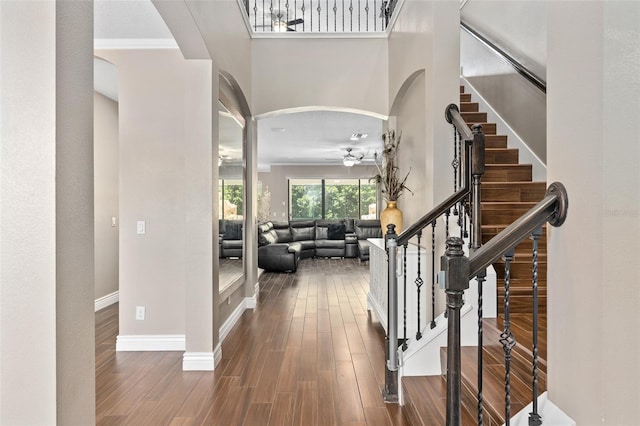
(319, 16)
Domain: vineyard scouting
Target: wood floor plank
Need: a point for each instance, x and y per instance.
(309, 353)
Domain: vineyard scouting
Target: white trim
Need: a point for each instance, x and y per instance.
(247, 303)
(217, 355)
(108, 300)
(198, 361)
(135, 43)
(151, 342)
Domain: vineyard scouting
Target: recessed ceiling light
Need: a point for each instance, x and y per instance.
(357, 136)
(278, 129)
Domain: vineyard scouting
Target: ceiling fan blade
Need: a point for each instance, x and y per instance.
(295, 22)
(290, 30)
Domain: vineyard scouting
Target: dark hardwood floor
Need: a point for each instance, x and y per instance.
(309, 354)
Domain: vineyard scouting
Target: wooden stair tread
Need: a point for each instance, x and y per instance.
(465, 97)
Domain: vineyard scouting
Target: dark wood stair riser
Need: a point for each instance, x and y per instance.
(474, 117)
(465, 97)
(469, 107)
(487, 128)
(503, 213)
(501, 156)
(507, 173)
(495, 141)
(513, 191)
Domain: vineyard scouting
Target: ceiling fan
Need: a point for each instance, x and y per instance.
(280, 24)
(350, 160)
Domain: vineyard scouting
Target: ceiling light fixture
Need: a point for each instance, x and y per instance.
(350, 160)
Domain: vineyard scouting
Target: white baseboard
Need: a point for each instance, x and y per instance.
(247, 303)
(198, 361)
(155, 342)
(108, 300)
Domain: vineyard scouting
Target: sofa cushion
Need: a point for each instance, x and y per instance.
(321, 244)
(303, 230)
(368, 229)
(269, 237)
(233, 231)
(336, 231)
(283, 231)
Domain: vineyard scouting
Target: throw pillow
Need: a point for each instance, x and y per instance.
(336, 231)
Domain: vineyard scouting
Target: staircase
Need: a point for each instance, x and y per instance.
(507, 192)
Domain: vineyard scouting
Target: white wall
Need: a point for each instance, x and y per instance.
(593, 324)
(105, 144)
(518, 102)
(426, 37)
(46, 187)
(519, 27)
(347, 73)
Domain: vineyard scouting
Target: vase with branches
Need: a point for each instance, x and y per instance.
(392, 184)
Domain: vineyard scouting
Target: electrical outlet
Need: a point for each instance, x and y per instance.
(140, 311)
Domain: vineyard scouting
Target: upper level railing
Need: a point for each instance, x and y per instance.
(319, 16)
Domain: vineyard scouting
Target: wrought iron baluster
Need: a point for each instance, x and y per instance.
(455, 163)
(446, 221)
(286, 7)
(366, 9)
(342, 15)
(359, 18)
(335, 16)
(271, 13)
(319, 17)
(263, 9)
(350, 15)
(311, 15)
(507, 339)
(433, 274)
(534, 418)
(419, 282)
(404, 294)
(327, 15)
(255, 15)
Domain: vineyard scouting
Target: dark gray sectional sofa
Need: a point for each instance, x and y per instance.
(281, 245)
(230, 238)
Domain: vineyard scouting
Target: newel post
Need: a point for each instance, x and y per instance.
(390, 392)
(455, 266)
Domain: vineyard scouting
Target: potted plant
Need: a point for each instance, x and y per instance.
(388, 178)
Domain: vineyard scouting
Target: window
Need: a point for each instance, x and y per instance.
(230, 198)
(305, 199)
(332, 199)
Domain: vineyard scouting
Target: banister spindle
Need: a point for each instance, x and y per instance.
(433, 274)
(455, 163)
(419, 282)
(507, 339)
(350, 15)
(534, 418)
(404, 298)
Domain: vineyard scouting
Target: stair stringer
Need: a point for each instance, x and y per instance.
(422, 357)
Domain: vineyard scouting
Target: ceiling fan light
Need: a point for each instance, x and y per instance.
(349, 161)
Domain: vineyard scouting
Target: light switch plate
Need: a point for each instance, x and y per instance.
(141, 227)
